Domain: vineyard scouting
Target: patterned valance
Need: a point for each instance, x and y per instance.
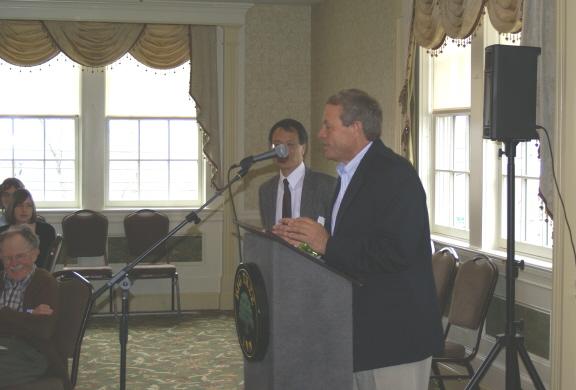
(94, 44)
(434, 20)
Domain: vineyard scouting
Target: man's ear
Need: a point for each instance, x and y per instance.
(358, 128)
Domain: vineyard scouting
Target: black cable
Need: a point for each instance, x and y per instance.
(235, 220)
(558, 190)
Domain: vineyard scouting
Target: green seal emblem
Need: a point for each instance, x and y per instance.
(251, 311)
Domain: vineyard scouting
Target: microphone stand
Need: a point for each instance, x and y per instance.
(121, 277)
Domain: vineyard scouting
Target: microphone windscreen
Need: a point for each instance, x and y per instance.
(281, 151)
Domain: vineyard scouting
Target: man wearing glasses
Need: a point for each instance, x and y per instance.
(28, 307)
(296, 191)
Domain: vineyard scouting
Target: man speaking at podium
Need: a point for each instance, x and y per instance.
(378, 232)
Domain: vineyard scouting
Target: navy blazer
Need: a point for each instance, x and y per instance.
(382, 237)
(317, 190)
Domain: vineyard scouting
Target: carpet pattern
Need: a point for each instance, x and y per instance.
(198, 351)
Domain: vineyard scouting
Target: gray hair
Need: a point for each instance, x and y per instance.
(358, 106)
(23, 231)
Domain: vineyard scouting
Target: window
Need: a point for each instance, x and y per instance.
(450, 115)
(39, 110)
(123, 136)
(154, 151)
(464, 176)
(532, 228)
(451, 171)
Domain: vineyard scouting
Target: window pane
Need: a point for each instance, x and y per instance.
(60, 140)
(184, 139)
(29, 138)
(133, 89)
(154, 174)
(451, 169)
(154, 180)
(460, 201)
(184, 180)
(49, 89)
(443, 199)
(444, 142)
(60, 180)
(461, 144)
(6, 137)
(154, 139)
(451, 74)
(123, 139)
(532, 225)
(42, 153)
(532, 159)
(123, 180)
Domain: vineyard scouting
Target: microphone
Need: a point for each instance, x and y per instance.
(280, 151)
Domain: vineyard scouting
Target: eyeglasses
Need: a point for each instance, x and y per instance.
(18, 257)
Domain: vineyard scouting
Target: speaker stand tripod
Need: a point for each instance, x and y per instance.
(512, 340)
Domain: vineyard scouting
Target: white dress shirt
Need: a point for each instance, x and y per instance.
(295, 182)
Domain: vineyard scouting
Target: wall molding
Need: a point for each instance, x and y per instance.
(153, 11)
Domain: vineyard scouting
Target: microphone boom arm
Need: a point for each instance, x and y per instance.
(191, 217)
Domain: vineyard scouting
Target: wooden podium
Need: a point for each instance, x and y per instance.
(308, 321)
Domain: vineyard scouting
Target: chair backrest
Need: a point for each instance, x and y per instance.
(143, 228)
(85, 234)
(473, 290)
(54, 253)
(75, 301)
(444, 266)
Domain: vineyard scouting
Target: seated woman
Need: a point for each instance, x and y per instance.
(22, 211)
(7, 188)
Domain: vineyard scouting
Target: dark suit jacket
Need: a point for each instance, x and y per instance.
(317, 191)
(382, 237)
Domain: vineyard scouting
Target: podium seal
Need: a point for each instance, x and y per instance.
(251, 311)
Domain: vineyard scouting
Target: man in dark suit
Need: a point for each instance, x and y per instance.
(309, 192)
(379, 233)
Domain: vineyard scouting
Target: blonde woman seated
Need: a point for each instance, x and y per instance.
(22, 211)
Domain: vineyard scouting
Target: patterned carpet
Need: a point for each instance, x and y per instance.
(198, 351)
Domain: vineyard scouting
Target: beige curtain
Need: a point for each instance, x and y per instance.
(97, 44)
(204, 89)
(540, 30)
(433, 21)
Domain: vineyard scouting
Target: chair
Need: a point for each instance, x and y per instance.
(471, 296)
(54, 253)
(75, 298)
(444, 267)
(85, 234)
(143, 228)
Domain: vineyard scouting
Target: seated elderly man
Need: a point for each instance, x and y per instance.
(28, 307)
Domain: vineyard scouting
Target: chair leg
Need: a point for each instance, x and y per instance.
(177, 285)
(172, 289)
(112, 302)
(439, 380)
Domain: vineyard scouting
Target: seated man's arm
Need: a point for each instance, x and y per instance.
(39, 319)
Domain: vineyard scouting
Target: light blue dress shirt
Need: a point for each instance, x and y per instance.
(346, 172)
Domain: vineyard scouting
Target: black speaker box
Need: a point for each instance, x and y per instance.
(510, 75)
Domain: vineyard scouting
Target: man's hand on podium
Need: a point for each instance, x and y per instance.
(302, 231)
